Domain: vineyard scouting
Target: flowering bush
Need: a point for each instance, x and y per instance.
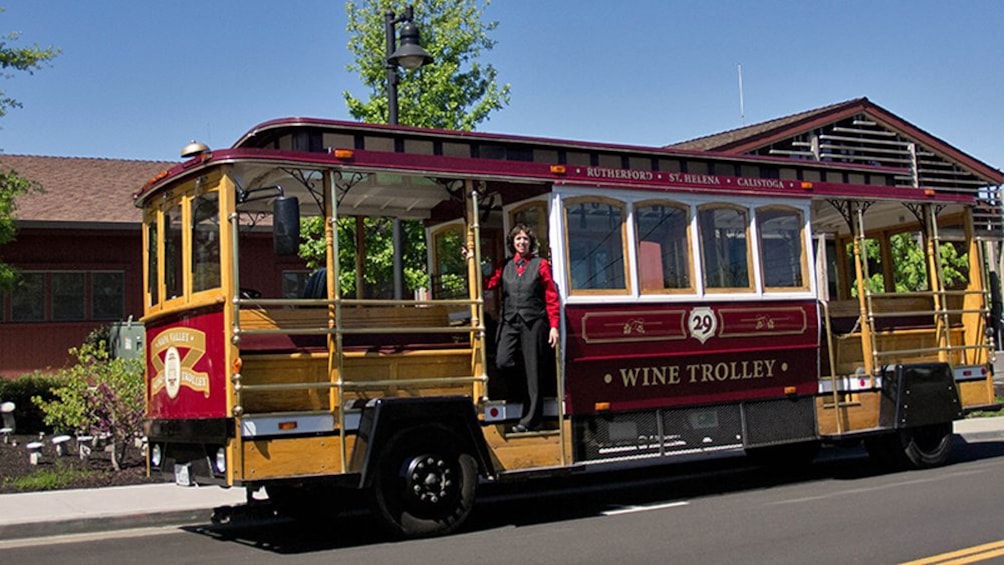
(98, 396)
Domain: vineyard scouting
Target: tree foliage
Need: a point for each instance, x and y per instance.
(12, 186)
(456, 91)
(909, 265)
(98, 395)
(378, 267)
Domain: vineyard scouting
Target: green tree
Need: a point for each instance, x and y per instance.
(98, 395)
(455, 92)
(379, 259)
(909, 265)
(26, 59)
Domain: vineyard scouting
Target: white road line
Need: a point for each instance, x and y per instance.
(644, 508)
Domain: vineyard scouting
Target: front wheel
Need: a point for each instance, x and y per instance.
(425, 482)
(919, 448)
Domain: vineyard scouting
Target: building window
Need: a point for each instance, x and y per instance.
(27, 300)
(107, 295)
(67, 297)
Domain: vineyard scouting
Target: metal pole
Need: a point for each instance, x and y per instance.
(398, 260)
(388, 24)
(392, 78)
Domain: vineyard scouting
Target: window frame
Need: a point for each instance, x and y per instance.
(624, 206)
(190, 249)
(751, 275)
(43, 309)
(803, 251)
(49, 297)
(93, 295)
(688, 210)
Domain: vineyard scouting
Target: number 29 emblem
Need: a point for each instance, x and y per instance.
(702, 323)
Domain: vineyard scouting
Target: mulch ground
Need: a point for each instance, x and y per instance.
(15, 463)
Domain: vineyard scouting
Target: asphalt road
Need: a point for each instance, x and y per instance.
(841, 509)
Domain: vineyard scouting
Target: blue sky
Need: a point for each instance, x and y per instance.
(139, 79)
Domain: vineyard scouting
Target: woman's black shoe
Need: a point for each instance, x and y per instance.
(519, 429)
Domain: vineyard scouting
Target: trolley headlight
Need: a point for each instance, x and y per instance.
(156, 455)
(221, 460)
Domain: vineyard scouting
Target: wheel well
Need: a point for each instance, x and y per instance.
(918, 394)
(385, 417)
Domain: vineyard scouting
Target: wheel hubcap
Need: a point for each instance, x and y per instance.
(430, 479)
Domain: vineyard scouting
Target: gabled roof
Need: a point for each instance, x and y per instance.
(80, 190)
(781, 132)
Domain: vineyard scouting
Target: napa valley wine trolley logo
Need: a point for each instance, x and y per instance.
(174, 355)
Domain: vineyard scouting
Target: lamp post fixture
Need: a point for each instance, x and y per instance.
(409, 55)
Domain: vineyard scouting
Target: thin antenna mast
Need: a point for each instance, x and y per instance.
(742, 111)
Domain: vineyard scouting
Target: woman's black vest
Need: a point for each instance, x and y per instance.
(523, 296)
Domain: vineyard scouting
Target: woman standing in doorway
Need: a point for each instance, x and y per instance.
(529, 318)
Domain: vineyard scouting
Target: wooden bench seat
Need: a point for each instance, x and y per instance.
(381, 325)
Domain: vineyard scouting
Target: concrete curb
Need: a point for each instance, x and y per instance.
(105, 523)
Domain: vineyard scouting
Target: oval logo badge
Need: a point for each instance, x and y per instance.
(172, 372)
(702, 323)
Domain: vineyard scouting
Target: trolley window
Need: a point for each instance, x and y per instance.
(595, 234)
(664, 263)
(781, 248)
(725, 247)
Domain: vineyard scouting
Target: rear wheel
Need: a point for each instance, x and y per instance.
(425, 482)
(919, 448)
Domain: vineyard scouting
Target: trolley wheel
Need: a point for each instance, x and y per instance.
(919, 448)
(425, 482)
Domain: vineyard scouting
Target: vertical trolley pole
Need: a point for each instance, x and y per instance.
(335, 365)
(478, 306)
(864, 296)
(936, 277)
(235, 304)
(559, 374)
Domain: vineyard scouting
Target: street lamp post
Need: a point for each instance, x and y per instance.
(410, 56)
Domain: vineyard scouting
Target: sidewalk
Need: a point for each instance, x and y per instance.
(39, 514)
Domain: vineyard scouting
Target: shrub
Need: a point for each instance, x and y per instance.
(20, 391)
(98, 396)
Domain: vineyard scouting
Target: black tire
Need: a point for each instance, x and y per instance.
(917, 448)
(425, 483)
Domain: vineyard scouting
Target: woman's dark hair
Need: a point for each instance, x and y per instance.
(511, 238)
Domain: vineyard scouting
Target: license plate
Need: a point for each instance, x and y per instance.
(183, 475)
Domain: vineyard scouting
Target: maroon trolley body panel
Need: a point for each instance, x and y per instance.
(642, 356)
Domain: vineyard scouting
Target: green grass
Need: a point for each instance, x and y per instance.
(988, 413)
(47, 479)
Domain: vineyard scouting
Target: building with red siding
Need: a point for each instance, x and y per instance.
(78, 251)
